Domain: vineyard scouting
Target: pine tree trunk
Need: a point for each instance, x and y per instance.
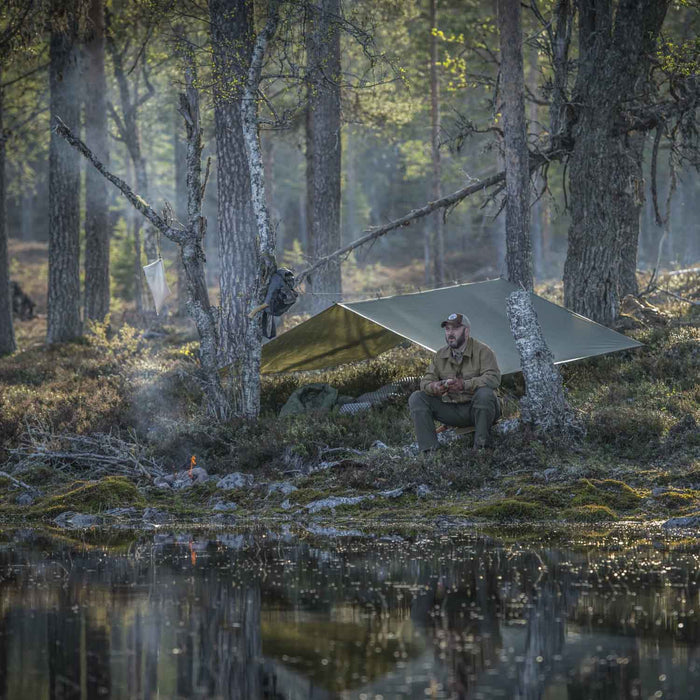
(323, 150)
(518, 246)
(7, 330)
(605, 171)
(232, 40)
(438, 224)
(63, 306)
(97, 220)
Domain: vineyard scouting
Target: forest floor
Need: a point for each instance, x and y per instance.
(86, 426)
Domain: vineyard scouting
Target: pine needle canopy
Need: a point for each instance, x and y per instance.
(364, 329)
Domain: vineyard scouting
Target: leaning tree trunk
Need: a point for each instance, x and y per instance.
(605, 172)
(544, 408)
(63, 307)
(97, 220)
(180, 170)
(323, 150)
(518, 247)
(7, 330)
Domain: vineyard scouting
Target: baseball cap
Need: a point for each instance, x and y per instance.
(461, 319)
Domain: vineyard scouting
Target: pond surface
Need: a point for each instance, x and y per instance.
(297, 615)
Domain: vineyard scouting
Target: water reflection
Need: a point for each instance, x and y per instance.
(274, 616)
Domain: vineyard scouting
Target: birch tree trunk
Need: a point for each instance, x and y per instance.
(605, 174)
(63, 306)
(7, 330)
(544, 407)
(180, 153)
(438, 224)
(518, 246)
(323, 150)
(97, 220)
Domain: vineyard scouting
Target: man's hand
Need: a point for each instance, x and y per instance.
(438, 388)
(454, 386)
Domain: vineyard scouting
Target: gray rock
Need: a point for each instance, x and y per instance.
(227, 506)
(186, 478)
(687, 521)
(422, 491)
(236, 480)
(163, 482)
(336, 501)
(379, 445)
(659, 491)
(283, 487)
(70, 519)
(223, 519)
(393, 493)
(153, 515)
(129, 513)
(25, 499)
(285, 505)
(550, 473)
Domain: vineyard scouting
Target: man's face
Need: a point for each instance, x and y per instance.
(456, 334)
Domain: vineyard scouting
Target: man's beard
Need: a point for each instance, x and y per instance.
(458, 341)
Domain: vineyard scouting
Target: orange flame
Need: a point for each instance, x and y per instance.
(193, 464)
(193, 554)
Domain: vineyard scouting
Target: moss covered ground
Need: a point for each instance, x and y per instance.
(640, 459)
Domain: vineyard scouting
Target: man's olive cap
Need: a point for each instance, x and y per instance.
(460, 319)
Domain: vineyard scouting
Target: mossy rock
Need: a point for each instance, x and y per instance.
(93, 496)
(512, 509)
(605, 492)
(678, 500)
(589, 514)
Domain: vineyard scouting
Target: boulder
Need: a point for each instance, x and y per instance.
(236, 480)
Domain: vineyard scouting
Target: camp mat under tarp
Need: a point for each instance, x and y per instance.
(364, 329)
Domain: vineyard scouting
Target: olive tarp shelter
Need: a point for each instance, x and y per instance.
(347, 332)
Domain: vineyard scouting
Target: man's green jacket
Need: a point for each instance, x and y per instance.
(478, 368)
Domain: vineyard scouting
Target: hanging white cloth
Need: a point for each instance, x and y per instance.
(155, 277)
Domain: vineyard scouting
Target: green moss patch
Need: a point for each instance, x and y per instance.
(589, 514)
(511, 509)
(92, 497)
(605, 492)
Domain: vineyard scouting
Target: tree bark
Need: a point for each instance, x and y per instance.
(7, 330)
(63, 306)
(180, 153)
(605, 172)
(97, 220)
(241, 337)
(518, 246)
(438, 223)
(323, 149)
(544, 407)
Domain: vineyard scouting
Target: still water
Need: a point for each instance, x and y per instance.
(294, 614)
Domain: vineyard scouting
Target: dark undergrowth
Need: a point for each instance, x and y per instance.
(640, 458)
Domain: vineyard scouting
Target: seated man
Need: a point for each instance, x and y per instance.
(459, 387)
